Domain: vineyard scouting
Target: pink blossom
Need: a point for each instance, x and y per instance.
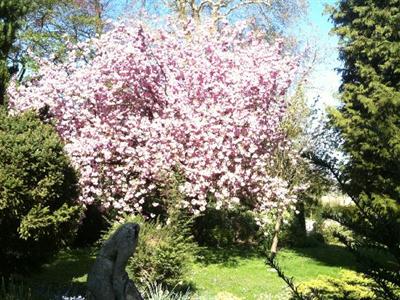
(140, 103)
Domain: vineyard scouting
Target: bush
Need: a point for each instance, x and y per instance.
(163, 254)
(329, 228)
(38, 187)
(92, 227)
(14, 290)
(350, 285)
(225, 227)
(291, 232)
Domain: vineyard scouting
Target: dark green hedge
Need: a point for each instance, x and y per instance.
(38, 189)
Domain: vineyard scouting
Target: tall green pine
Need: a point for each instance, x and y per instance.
(368, 122)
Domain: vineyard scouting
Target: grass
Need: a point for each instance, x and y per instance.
(218, 273)
(244, 274)
(66, 275)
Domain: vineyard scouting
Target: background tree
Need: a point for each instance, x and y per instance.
(270, 17)
(290, 163)
(53, 25)
(368, 124)
(11, 14)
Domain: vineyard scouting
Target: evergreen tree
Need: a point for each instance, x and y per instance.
(11, 13)
(368, 122)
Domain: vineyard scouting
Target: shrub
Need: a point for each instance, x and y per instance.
(14, 290)
(349, 285)
(92, 227)
(290, 235)
(329, 228)
(38, 187)
(163, 253)
(225, 227)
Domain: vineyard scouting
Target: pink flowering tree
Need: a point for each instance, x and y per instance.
(137, 104)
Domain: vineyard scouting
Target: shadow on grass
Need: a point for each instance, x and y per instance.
(326, 254)
(65, 276)
(330, 255)
(227, 256)
(59, 292)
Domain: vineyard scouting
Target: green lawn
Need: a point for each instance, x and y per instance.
(217, 274)
(246, 276)
(66, 275)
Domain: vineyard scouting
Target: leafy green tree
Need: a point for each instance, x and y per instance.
(52, 25)
(368, 124)
(11, 14)
(45, 28)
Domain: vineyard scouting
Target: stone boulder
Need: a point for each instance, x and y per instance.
(108, 280)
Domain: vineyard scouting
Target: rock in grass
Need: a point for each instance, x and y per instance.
(108, 279)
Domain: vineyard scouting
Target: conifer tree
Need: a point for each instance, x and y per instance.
(368, 122)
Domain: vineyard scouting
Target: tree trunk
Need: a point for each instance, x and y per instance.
(274, 246)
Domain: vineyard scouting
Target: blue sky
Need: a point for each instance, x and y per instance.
(316, 14)
(324, 81)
